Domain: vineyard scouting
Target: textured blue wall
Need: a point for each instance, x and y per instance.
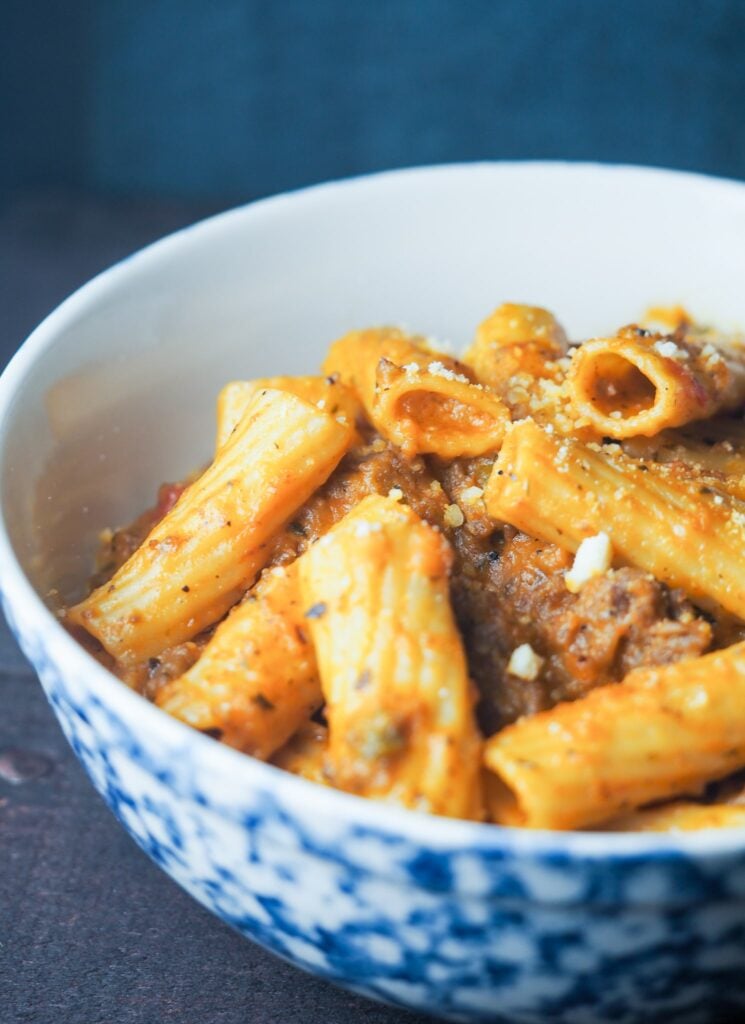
(236, 98)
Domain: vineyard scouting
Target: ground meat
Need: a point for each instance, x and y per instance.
(507, 588)
(171, 664)
(462, 479)
(374, 468)
(119, 545)
(515, 594)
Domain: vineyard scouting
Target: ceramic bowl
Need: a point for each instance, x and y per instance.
(114, 393)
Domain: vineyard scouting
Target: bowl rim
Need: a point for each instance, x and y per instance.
(438, 833)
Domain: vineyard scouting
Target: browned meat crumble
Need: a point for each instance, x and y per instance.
(507, 588)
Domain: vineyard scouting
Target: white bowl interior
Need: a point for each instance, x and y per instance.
(115, 392)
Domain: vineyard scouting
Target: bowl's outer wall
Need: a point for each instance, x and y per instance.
(115, 392)
(471, 934)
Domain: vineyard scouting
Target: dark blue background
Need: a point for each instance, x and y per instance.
(237, 98)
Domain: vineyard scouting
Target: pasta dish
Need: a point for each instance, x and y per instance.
(508, 587)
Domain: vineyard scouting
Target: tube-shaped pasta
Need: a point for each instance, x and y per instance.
(207, 550)
(256, 681)
(515, 340)
(326, 393)
(672, 318)
(432, 409)
(421, 400)
(679, 816)
(563, 491)
(717, 457)
(637, 383)
(661, 732)
(398, 698)
(305, 753)
(354, 358)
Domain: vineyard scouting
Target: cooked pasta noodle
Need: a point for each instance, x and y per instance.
(660, 733)
(639, 383)
(199, 560)
(398, 697)
(445, 584)
(421, 400)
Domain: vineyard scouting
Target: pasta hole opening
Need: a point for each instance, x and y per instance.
(618, 385)
(434, 413)
(502, 802)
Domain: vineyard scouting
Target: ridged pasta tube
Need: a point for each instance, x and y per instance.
(661, 732)
(639, 383)
(423, 401)
(326, 393)
(305, 753)
(679, 816)
(399, 702)
(202, 556)
(670, 525)
(713, 449)
(256, 681)
(515, 339)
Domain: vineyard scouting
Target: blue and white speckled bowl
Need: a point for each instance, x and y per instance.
(114, 393)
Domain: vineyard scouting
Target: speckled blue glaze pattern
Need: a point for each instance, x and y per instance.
(485, 931)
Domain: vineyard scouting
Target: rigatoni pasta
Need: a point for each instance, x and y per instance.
(199, 560)
(399, 703)
(713, 451)
(509, 588)
(516, 340)
(679, 816)
(326, 393)
(660, 733)
(256, 681)
(667, 524)
(639, 383)
(420, 400)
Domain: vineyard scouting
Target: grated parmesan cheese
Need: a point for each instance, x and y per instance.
(453, 516)
(438, 369)
(711, 355)
(471, 494)
(363, 529)
(669, 350)
(593, 558)
(525, 663)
